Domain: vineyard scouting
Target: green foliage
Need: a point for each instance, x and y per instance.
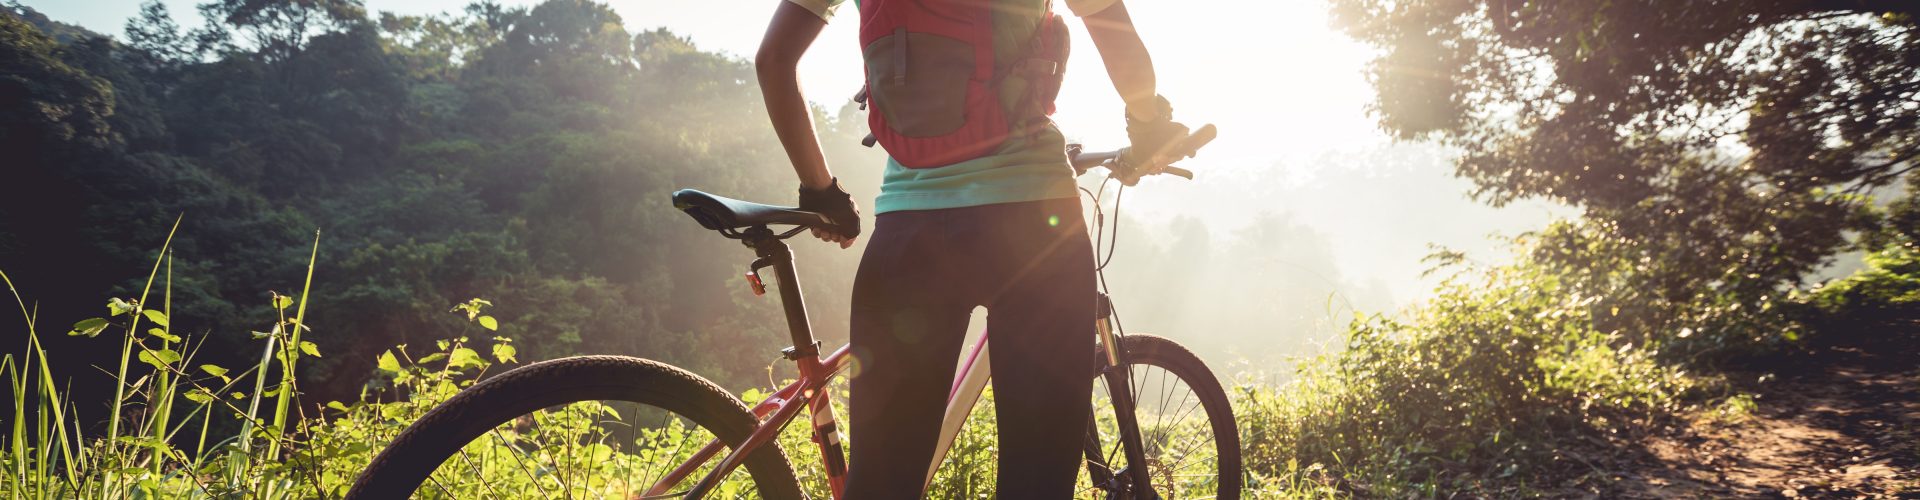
(505, 152)
(329, 448)
(524, 154)
(1734, 146)
(1887, 289)
(51, 455)
(1479, 390)
(51, 102)
(149, 458)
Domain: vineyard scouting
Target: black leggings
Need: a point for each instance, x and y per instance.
(1031, 265)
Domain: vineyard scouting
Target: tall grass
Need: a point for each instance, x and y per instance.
(139, 453)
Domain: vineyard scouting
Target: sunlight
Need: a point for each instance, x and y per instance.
(1612, 225)
(1273, 76)
(1282, 85)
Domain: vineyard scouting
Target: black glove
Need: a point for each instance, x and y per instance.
(843, 217)
(1156, 139)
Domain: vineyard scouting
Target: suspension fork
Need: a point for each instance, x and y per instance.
(1120, 390)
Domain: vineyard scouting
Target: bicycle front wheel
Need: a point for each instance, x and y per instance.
(1184, 422)
(580, 427)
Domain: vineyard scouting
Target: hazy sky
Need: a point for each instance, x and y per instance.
(1285, 88)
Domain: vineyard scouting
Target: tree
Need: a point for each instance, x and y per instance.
(154, 37)
(578, 46)
(519, 154)
(1732, 143)
(280, 28)
(43, 100)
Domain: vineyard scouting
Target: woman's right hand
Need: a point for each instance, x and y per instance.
(843, 215)
(1156, 139)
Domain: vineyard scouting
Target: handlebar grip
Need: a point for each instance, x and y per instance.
(1200, 138)
(1086, 161)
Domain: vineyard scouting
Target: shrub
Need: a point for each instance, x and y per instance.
(1472, 391)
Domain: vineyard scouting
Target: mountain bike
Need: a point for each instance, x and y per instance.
(614, 426)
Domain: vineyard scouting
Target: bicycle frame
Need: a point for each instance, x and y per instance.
(809, 390)
(782, 406)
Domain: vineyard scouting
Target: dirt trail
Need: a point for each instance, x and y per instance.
(1841, 423)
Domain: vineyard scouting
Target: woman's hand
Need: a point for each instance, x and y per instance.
(1156, 139)
(843, 215)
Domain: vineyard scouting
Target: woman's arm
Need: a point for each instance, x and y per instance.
(1128, 64)
(1153, 134)
(793, 30)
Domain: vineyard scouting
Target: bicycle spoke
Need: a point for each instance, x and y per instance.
(593, 463)
(560, 469)
(1165, 392)
(477, 473)
(1160, 412)
(1176, 465)
(561, 463)
(647, 480)
(442, 487)
(514, 451)
(1177, 420)
(626, 491)
(1183, 415)
(671, 458)
(613, 424)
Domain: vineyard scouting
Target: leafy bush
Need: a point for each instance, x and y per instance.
(1475, 390)
(1889, 287)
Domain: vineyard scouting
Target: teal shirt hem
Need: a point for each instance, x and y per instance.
(1020, 173)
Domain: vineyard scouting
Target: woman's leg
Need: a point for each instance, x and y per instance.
(1040, 317)
(910, 313)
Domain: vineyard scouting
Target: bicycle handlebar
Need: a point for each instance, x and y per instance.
(1114, 160)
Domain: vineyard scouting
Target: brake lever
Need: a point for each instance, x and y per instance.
(1120, 170)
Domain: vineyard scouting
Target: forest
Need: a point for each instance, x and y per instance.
(394, 206)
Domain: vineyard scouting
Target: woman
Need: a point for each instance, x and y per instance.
(989, 219)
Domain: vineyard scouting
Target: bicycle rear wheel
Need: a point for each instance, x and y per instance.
(1185, 422)
(580, 427)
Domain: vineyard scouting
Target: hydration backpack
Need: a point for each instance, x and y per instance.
(935, 83)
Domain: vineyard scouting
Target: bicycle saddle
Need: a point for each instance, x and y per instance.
(721, 213)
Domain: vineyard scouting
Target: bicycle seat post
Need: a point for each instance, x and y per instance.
(770, 248)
